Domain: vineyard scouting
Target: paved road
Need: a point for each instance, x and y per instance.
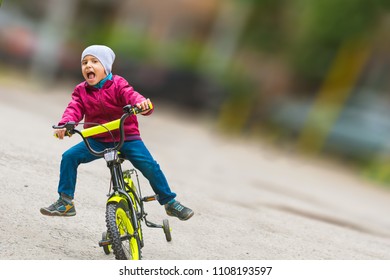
(251, 201)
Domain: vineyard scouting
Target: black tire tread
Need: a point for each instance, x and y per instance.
(113, 232)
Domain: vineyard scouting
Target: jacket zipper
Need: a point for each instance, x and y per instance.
(102, 105)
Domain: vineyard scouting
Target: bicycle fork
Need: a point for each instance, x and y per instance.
(114, 164)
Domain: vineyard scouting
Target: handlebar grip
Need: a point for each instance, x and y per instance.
(69, 126)
(134, 110)
(67, 133)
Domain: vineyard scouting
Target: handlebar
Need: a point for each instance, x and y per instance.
(128, 110)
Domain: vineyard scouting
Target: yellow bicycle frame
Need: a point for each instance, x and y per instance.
(91, 131)
(116, 199)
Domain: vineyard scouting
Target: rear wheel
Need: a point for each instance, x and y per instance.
(120, 228)
(106, 248)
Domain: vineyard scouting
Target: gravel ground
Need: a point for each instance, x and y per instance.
(250, 201)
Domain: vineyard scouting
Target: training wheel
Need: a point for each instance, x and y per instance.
(167, 230)
(106, 248)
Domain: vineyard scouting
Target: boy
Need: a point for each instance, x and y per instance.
(100, 99)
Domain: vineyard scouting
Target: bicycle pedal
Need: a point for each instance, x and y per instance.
(150, 198)
(104, 243)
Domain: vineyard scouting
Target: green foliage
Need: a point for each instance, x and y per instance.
(377, 170)
(265, 27)
(334, 21)
(130, 44)
(323, 26)
(310, 32)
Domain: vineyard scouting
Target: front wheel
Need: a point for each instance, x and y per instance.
(125, 245)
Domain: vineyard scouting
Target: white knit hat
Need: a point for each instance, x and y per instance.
(104, 54)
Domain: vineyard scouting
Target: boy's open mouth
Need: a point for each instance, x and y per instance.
(91, 75)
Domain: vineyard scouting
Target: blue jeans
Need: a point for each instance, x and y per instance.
(135, 151)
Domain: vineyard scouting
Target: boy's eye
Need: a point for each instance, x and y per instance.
(93, 61)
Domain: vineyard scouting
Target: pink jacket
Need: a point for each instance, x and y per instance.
(99, 106)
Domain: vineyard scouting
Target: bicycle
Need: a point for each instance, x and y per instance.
(125, 204)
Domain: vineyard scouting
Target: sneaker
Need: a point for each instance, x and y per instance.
(176, 209)
(59, 208)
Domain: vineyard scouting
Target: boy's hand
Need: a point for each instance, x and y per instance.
(60, 133)
(144, 106)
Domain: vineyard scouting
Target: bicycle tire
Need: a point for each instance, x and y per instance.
(120, 224)
(167, 230)
(106, 248)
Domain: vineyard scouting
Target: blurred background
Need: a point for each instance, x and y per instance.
(307, 76)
